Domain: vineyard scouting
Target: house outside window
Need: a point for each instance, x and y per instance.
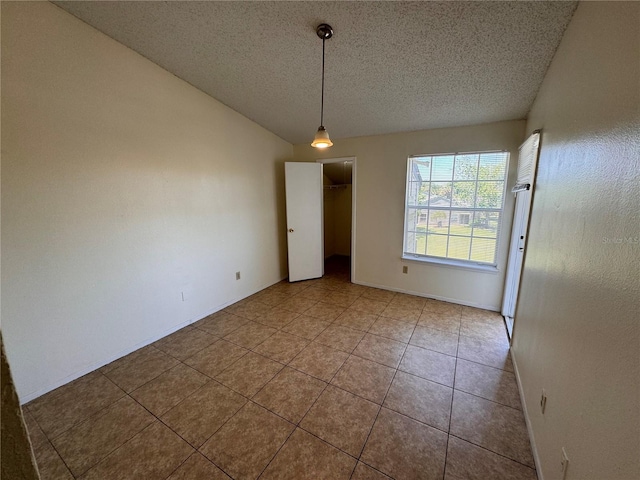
(454, 206)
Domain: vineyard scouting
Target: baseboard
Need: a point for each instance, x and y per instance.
(94, 366)
(493, 308)
(525, 411)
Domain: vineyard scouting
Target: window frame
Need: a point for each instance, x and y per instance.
(491, 267)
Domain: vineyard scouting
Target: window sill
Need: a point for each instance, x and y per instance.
(448, 262)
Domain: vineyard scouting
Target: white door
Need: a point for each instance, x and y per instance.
(305, 236)
(516, 256)
(524, 194)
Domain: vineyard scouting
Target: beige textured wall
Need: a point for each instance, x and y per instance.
(123, 189)
(577, 331)
(18, 462)
(380, 190)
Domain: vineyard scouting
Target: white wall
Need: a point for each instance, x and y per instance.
(380, 191)
(123, 187)
(577, 331)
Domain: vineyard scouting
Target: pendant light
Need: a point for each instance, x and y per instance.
(322, 140)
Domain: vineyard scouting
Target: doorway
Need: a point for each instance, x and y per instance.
(339, 215)
(523, 189)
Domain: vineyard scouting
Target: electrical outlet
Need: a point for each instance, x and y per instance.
(564, 463)
(237, 275)
(405, 269)
(543, 401)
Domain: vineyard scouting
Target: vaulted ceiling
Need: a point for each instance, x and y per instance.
(390, 66)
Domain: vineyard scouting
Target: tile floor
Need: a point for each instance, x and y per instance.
(322, 379)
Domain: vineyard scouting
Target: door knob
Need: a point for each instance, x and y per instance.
(291, 230)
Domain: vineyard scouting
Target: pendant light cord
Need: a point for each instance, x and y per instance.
(322, 101)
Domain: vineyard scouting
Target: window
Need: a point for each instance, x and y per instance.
(454, 206)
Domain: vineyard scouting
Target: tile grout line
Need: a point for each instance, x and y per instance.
(122, 445)
(488, 400)
(495, 453)
(297, 425)
(311, 407)
(364, 446)
(50, 443)
(197, 449)
(453, 391)
(372, 468)
(195, 452)
(93, 415)
(221, 427)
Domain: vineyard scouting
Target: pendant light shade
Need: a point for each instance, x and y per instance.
(322, 140)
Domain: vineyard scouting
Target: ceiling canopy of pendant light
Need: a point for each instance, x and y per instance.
(322, 140)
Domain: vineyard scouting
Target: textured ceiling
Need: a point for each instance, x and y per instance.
(390, 66)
